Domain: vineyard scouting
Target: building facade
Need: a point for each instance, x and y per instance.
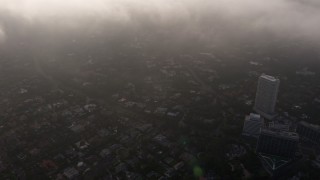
(266, 96)
(309, 132)
(252, 125)
(277, 143)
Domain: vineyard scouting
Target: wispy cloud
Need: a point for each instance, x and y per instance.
(2, 35)
(202, 18)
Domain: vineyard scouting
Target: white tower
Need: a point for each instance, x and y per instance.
(266, 96)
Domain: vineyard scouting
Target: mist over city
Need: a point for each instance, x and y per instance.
(177, 22)
(159, 89)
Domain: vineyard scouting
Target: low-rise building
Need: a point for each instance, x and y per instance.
(277, 143)
(309, 132)
(252, 125)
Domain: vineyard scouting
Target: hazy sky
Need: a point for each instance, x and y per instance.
(201, 18)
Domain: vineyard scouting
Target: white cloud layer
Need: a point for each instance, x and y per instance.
(2, 35)
(297, 18)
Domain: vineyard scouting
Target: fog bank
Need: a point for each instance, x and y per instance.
(177, 22)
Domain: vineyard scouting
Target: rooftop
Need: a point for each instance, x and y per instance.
(268, 77)
(312, 126)
(255, 117)
(280, 133)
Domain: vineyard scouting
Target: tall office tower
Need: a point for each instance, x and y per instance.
(266, 96)
(309, 132)
(252, 125)
(277, 143)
